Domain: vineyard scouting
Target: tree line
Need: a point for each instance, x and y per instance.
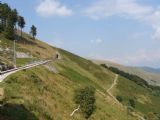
(10, 20)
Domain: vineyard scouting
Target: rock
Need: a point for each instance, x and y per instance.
(7, 49)
(51, 68)
(1, 49)
(23, 55)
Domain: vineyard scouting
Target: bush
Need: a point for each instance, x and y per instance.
(131, 103)
(47, 116)
(119, 98)
(85, 97)
(105, 66)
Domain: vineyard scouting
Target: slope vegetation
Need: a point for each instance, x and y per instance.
(46, 92)
(136, 94)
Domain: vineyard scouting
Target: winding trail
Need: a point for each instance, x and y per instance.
(116, 101)
(109, 90)
(75, 111)
(138, 116)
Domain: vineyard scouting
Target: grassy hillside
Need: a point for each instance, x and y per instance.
(152, 78)
(133, 91)
(41, 94)
(152, 70)
(145, 100)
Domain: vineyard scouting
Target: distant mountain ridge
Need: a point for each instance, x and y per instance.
(150, 69)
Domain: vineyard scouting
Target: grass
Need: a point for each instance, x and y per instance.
(30, 87)
(44, 95)
(88, 68)
(80, 79)
(24, 61)
(145, 101)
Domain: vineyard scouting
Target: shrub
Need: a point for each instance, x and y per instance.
(47, 116)
(104, 65)
(119, 98)
(85, 97)
(131, 103)
(35, 78)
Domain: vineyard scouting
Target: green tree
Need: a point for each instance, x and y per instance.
(11, 23)
(1, 17)
(9, 30)
(85, 97)
(14, 16)
(21, 23)
(119, 98)
(4, 12)
(33, 31)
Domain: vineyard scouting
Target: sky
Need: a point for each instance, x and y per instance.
(122, 31)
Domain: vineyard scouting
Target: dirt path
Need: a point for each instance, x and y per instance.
(115, 100)
(138, 116)
(114, 83)
(108, 91)
(75, 111)
(112, 86)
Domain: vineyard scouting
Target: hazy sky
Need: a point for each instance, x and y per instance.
(124, 31)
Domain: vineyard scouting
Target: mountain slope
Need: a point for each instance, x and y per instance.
(152, 70)
(145, 100)
(46, 92)
(133, 91)
(152, 77)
